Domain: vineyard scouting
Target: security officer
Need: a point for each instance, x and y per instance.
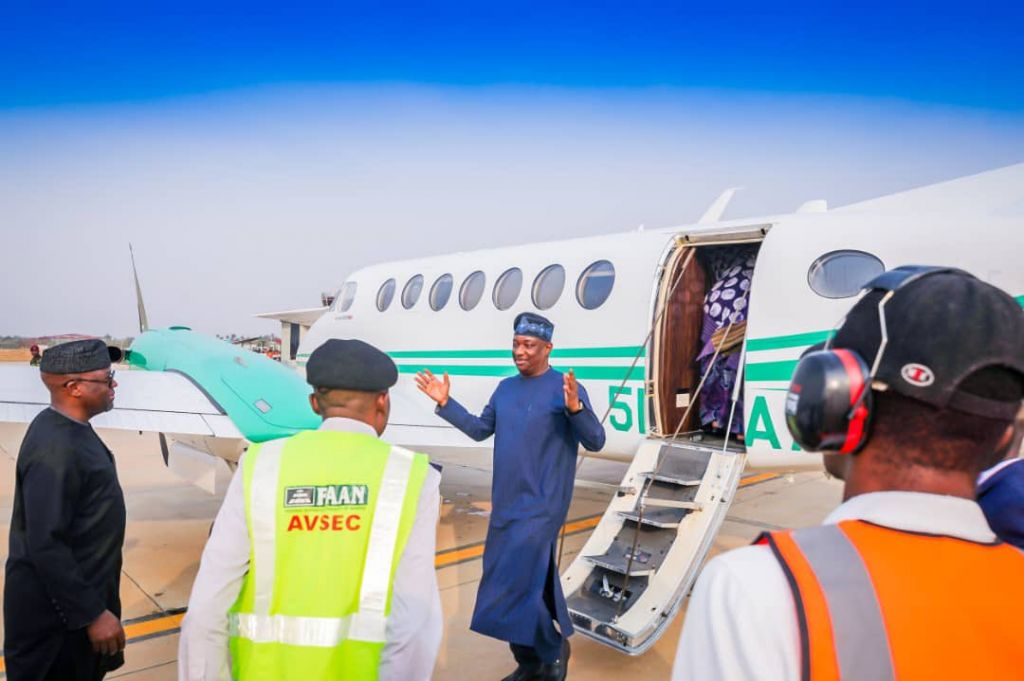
(320, 564)
(62, 606)
(905, 579)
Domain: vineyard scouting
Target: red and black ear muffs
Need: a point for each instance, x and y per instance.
(828, 406)
(829, 403)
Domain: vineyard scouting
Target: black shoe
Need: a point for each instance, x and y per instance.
(556, 671)
(524, 672)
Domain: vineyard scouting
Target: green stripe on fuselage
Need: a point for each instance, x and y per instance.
(575, 353)
(770, 371)
(501, 370)
(796, 340)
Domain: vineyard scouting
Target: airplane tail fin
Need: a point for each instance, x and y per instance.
(718, 206)
(143, 321)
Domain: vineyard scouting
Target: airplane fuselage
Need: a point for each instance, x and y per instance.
(618, 349)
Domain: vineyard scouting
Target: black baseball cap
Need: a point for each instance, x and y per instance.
(954, 341)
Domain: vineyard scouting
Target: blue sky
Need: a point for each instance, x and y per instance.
(255, 155)
(966, 53)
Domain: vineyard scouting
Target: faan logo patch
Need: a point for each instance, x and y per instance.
(318, 496)
(917, 375)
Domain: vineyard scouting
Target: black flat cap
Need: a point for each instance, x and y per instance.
(79, 357)
(350, 365)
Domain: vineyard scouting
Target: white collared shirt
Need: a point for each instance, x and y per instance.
(414, 627)
(741, 620)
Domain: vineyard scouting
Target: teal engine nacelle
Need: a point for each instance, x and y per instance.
(264, 398)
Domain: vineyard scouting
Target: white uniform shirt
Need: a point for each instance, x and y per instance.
(741, 620)
(413, 629)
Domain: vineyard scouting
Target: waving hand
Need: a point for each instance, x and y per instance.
(433, 388)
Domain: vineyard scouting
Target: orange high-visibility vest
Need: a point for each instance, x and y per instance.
(874, 603)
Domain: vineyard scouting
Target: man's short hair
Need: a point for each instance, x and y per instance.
(910, 432)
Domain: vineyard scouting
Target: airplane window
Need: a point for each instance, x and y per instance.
(841, 274)
(385, 294)
(472, 290)
(412, 290)
(595, 284)
(347, 296)
(548, 286)
(441, 291)
(507, 288)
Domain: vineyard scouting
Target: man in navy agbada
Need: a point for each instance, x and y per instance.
(539, 419)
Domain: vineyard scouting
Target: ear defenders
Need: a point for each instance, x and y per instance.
(829, 404)
(828, 407)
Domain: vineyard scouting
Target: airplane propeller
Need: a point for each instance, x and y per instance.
(143, 321)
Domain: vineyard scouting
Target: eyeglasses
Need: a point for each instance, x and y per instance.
(109, 380)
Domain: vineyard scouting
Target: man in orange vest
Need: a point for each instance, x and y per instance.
(905, 580)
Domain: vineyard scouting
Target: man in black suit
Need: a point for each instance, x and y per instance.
(61, 597)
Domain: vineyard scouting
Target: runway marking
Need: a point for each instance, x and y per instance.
(760, 477)
(168, 622)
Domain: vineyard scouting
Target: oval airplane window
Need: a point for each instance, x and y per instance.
(841, 274)
(347, 296)
(548, 286)
(472, 290)
(507, 288)
(385, 295)
(411, 292)
(595, 284)
(440, 292)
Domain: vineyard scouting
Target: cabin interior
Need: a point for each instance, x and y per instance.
(692, 274)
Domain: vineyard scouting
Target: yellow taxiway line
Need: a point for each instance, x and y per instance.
(167, 623)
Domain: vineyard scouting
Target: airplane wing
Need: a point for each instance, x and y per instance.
(153, 401)
(304, 317)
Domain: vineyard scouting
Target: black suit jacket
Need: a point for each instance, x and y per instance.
(67, 532)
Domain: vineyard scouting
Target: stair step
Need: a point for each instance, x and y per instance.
(680, 466)
(660, 517)
(662, 476)
(618, 562)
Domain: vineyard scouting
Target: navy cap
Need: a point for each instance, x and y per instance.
(530, 324)
(350, 365)
(954, 341)
(79, 357)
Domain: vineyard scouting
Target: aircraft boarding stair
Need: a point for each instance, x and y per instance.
(629, 580)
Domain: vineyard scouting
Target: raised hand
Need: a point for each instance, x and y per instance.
(572, 392)
(432, 387)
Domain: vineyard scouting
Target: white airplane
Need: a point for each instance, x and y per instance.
(628, 311)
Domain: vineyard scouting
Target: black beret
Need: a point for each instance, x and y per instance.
(79, 357)
(350, 365)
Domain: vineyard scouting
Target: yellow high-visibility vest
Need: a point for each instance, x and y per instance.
(328, 515)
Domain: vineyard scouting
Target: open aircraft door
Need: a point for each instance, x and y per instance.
(629, 580)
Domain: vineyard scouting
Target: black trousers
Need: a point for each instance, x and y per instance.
(74, 661)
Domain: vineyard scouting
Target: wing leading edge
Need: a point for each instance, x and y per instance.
(149, 401)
